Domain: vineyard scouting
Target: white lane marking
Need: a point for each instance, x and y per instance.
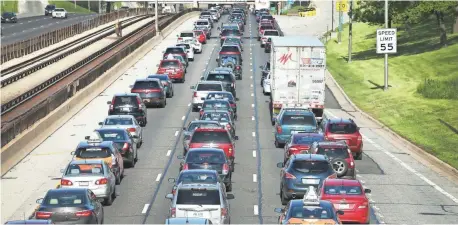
(158, 177)
(252, 105)
(251, 64)
(23, 31)
(251, 77)
(380, 215)
(251, 85)
(375, 207)
(255, 210)
(253, 134)
(357, 175)
(254, 154)
(29, 21)
(189, 104)
(203, 70)
(252, 118)
(21, 23)
(251, 58)
(255, 178)
(252, 94)
(251, 53)
(145, 208)
(371, 201)
(182, 118)
(251, 70)
(176, 133)
(403, 164)
(169, 152)
(42, 26)
(363, 182)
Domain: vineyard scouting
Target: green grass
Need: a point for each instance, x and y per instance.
(9, 6)
(404, 108)
(69, 6)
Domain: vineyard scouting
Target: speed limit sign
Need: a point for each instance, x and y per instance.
(342, 6)
(387, 41)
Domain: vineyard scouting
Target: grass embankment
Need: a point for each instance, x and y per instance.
(9, 6)
(422, 104)
(69, 6)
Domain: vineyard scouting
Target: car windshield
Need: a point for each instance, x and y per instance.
(125, 100)
(205, 13)
(113, 135)
(342, 190)
(59, 10)
(310, 212)
(229, 49)
(333, 152)
(7, 14)
(197, 177)
(219, 77)
(210, 137)
(342, 128)
(209, 87)
(230, 33)
(169, 64)
(198, 157)
(306, 140)
(194, 126)
(64, 199)
(119, 121)
(198, 197)
(174, 51)
(269, 17)
(202, 23)
(307, 120)
(306, 166)
(270, 33)
(84, 169)
(186, 35)
(93, 152)
(146, 85)
(216, 116)
(232, 41)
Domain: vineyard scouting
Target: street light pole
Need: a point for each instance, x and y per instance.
(156, 18)
(350, 31)
(386, 55)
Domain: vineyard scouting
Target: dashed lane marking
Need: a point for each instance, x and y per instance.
(169, 152)
(182, 118)
(255, 210)
(158, 177)
(253, 134)
(176, 133)
(254, 154)
(145, 208)
(255, 178)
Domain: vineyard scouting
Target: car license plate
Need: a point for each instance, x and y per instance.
(310, 181)
(125, 109)
(170, 71)
(84, 183)
(344, 206)
(198, 214)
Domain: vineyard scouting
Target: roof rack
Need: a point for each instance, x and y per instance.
(311, 197)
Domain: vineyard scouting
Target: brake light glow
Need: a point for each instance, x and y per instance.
(125, 147)
(230, 150)
(43, 215)
(131, 129)
(173, 212)
(185, 166)
(139, 102)
(223, 212)
(279, 130)
(112, 104)
(64, 182)
(84, 213)
(180, 38)
(195, 94)
(237, 67)
(289, 176)
(225, 169)
(101, 181)
(363, 206)
(228, 126)
(360, 138)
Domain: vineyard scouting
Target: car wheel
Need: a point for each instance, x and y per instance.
(163, 104)
(283, 200)
(118, 178)
(136, 155)
(229, 186)
(108, 200)
(340, 166)
(132, 161)
(359, 156)
(278, 145)
(233, 165)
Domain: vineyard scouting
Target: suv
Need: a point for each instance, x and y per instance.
(291, 120)
(301, 142)
(129, 104)
(268, 34)
(209, 201)
(339, 155)
(227, 78)
(185, 36)
(193, 125)
(345, 130)
(49, 9)
(151, 91)
(174, 68)
(201, 91)
(176, 50)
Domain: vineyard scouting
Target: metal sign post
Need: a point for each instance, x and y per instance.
(157, 18)
(341, 7)
(387, 43)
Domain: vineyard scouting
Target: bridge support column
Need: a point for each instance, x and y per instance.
(195, 4)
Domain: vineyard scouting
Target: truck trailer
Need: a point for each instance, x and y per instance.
(297, 66)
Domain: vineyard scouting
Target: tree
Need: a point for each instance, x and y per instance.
(373, 12)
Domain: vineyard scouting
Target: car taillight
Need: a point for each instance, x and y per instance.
(84, 213)
(185, 166)
(223, 212)
(131, 129)
(180, 38)
(113, 160)
(139, 104)
(230, 150)
(228, 126)
(360, 138)
(333, 176)
(126, 147)
(352, 164)
(43, 215)
(101, 181)
(225, 169)
(237, 67)
(64, 182)
(279, 130)
(173, 212)
(289, 176)
(195, 94)
(201, 112)
(232, 85)
(112, 104)
(363, 206)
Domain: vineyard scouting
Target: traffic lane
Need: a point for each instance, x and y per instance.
(403, 191)
(160, 137)
(26, 30)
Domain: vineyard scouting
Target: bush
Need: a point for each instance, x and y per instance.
(439, 89)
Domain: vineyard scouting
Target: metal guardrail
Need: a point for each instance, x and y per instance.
(14, 127)
(25, 47)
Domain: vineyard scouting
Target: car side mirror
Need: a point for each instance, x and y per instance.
(39, 201)
(237, 99)
(100, 123)
(169, 196)
(184, 128)
(180, 157)
(201, 78)
(109, 103)
(217, 60)
(279, 210)
(87, 137)
(72, 153)
(280, 165)
(340, 212)
(172, 180)
(236, 138)
(135, 136)
(230, 196)
(367, 191)
(192, 87)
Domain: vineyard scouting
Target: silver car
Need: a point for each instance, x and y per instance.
(209, 201)
(201, 90)
(193, 125)
(127, 122)
(94, 174)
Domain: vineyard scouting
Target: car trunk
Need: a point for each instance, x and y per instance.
(225, 147)
(212, 212)
(350, 139)
(309, 173)
(154, 93)
(345, 202)
(208, 166)
(125, 105)
(84, 181)
(64, 214)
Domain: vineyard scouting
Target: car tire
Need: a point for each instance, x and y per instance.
(278, 145)
(131, 164)
(359, 156)
(118, 178)
(163, 104)
(343, 166)
(284, 201)
(229, 186)
(108, 200)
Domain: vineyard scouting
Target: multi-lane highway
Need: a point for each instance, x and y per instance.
(30, 27)
(403, 189)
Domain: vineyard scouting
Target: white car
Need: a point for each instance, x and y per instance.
(185, 36)
(196, 45)
(59, 13)
(266, 88)
(202, 23)
(188, 49)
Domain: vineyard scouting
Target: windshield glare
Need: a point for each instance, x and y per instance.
(342, 190)
(311, 212)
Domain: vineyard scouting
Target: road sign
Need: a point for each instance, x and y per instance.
(342, 6)
(387, 41)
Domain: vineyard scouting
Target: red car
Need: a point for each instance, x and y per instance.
(174, 68)
(301, 142)
(214, 138)
(348, 196)
(346, 130)
(340, 156)
(175, 50)
(201, 37)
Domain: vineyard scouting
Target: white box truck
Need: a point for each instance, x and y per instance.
(262, 4)
(297, 66)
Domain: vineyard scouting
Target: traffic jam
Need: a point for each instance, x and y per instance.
(317, 182)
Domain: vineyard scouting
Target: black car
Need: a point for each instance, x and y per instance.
(70, 205)
(225, 77)
(195, 176)
(209, 159)
(49, 9)
(268, 45)
(265, 69)
(124, 141)
(151, 91)
(129, 104)
(9, 17)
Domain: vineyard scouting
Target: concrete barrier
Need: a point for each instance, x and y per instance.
(27, 141)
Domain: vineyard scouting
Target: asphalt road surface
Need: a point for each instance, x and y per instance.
(30, 27)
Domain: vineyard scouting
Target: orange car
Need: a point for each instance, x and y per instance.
(104, 150)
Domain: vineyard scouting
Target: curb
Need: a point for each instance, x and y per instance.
(435, 162)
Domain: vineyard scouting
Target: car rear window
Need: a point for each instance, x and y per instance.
(230, 33)
(205, 13)
(118, 121)
(270, 33)
(229, 49)
(125, 100)
(198, 197)
(288, 119)
(64, 199)
(199, 157)
(333, 152)
(307, 140)
(169, 64)
(227, 96)
(197, 177)
(220, 77)
(93, 152)
(347, 128)
(267, 17)
(210, 137)
(160, 77)
(266, 27)
(306, 166)
(146, 84)
(216, 116)
(194, 126)
(174, 51)
(112, 135)
(209, 87)
(311, 212)
(342, 190)
(58, 10)
(187, 34)
(202, 23)
(84, 169)
(186, 46)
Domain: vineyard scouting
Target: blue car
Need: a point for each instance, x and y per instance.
(293, 120)
(166, 82)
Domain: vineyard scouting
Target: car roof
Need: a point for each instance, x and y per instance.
(198, 185)
(230, 45)
(170, 60)
(126, 94)
(311, 157)
(147, 79)
(198, 171)
(300, 202)
(86, 161)
(334, 144)
(204, 121)
(103, 144)
(210, 82)
(111, 128)
(340, 120)
(216, 111)
(67, 190)
(220, 71)
(342, 182)
(216, 100)
(119, 116)
(307, 134)
(159, 75)
(215, 129)
(220, 92)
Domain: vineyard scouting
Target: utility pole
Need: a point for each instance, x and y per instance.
(339, 36)
(386, 55)
(332, 20)
(88, 5)
(156, 22)
(100, 6)
(350, 31)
